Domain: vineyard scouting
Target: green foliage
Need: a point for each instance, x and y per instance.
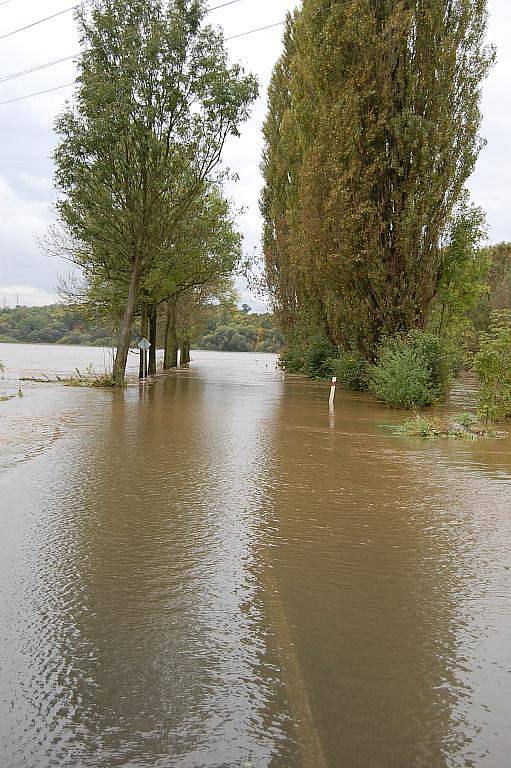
(142, 141)
(232, 330)
(420, 426)
(319, 358)
(412, 370)
(468, 420)
(228, 339)
(463, 426)
(463, 283)
(313, 357)
(492, 364)
(53, 325)
(352, 371)
(224, 327)
(206, 250)
(372, 131)
(292, 357)
(464, 266)
(498, 293)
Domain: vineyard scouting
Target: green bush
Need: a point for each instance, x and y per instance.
(492, 364)
(312, 358)
(412, 370)
(352, 371)
(292, 358)
(319, 355)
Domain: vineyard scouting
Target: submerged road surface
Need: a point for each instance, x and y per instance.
(212, 571)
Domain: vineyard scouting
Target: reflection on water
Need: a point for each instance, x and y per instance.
(213, 570)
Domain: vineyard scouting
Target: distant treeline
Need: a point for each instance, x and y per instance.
(224, 328)
(53, 324)
(230, 329)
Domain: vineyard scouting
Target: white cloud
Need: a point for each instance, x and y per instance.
(23, 268)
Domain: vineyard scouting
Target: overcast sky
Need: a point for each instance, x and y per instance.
(27, 139)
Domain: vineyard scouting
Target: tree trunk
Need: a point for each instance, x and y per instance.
(152, 338)
(143, 334)
(185, 352)
(123, 342)
(170, 356)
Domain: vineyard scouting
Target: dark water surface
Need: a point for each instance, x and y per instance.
(215, 571)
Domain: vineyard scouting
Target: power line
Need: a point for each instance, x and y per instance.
(38, 93)
(259, 29)
(223, 5)
(39, 67)
(40, 21)
(74, 7)
(47, 65)
(67, 58)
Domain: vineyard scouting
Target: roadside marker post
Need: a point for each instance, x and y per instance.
(332, 392)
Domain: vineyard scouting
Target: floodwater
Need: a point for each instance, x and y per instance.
(214, 571)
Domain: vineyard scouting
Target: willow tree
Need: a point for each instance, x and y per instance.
(384, 105)
(144, 135)
(205, 251)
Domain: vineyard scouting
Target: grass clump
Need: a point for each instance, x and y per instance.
(464, 426)
(412, 370)
(88, 379)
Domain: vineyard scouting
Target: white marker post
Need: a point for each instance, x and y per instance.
(332, 392)
(144, 344)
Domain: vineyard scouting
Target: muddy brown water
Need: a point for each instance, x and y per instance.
(214, 571)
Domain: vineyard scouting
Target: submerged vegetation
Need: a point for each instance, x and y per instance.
(89, 378)
(463, 426)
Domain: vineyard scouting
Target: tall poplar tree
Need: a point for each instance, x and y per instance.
(279, 166)
(143, 137)
(383, 102)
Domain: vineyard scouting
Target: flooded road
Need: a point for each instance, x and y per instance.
(213, 571)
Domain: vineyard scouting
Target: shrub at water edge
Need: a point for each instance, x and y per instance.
(313, 358)
(412, 370)
(352, 371)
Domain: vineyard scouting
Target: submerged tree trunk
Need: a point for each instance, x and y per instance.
(185, 352)
(170, 356)
(153, 339)
(123, 342)
(143, 334)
